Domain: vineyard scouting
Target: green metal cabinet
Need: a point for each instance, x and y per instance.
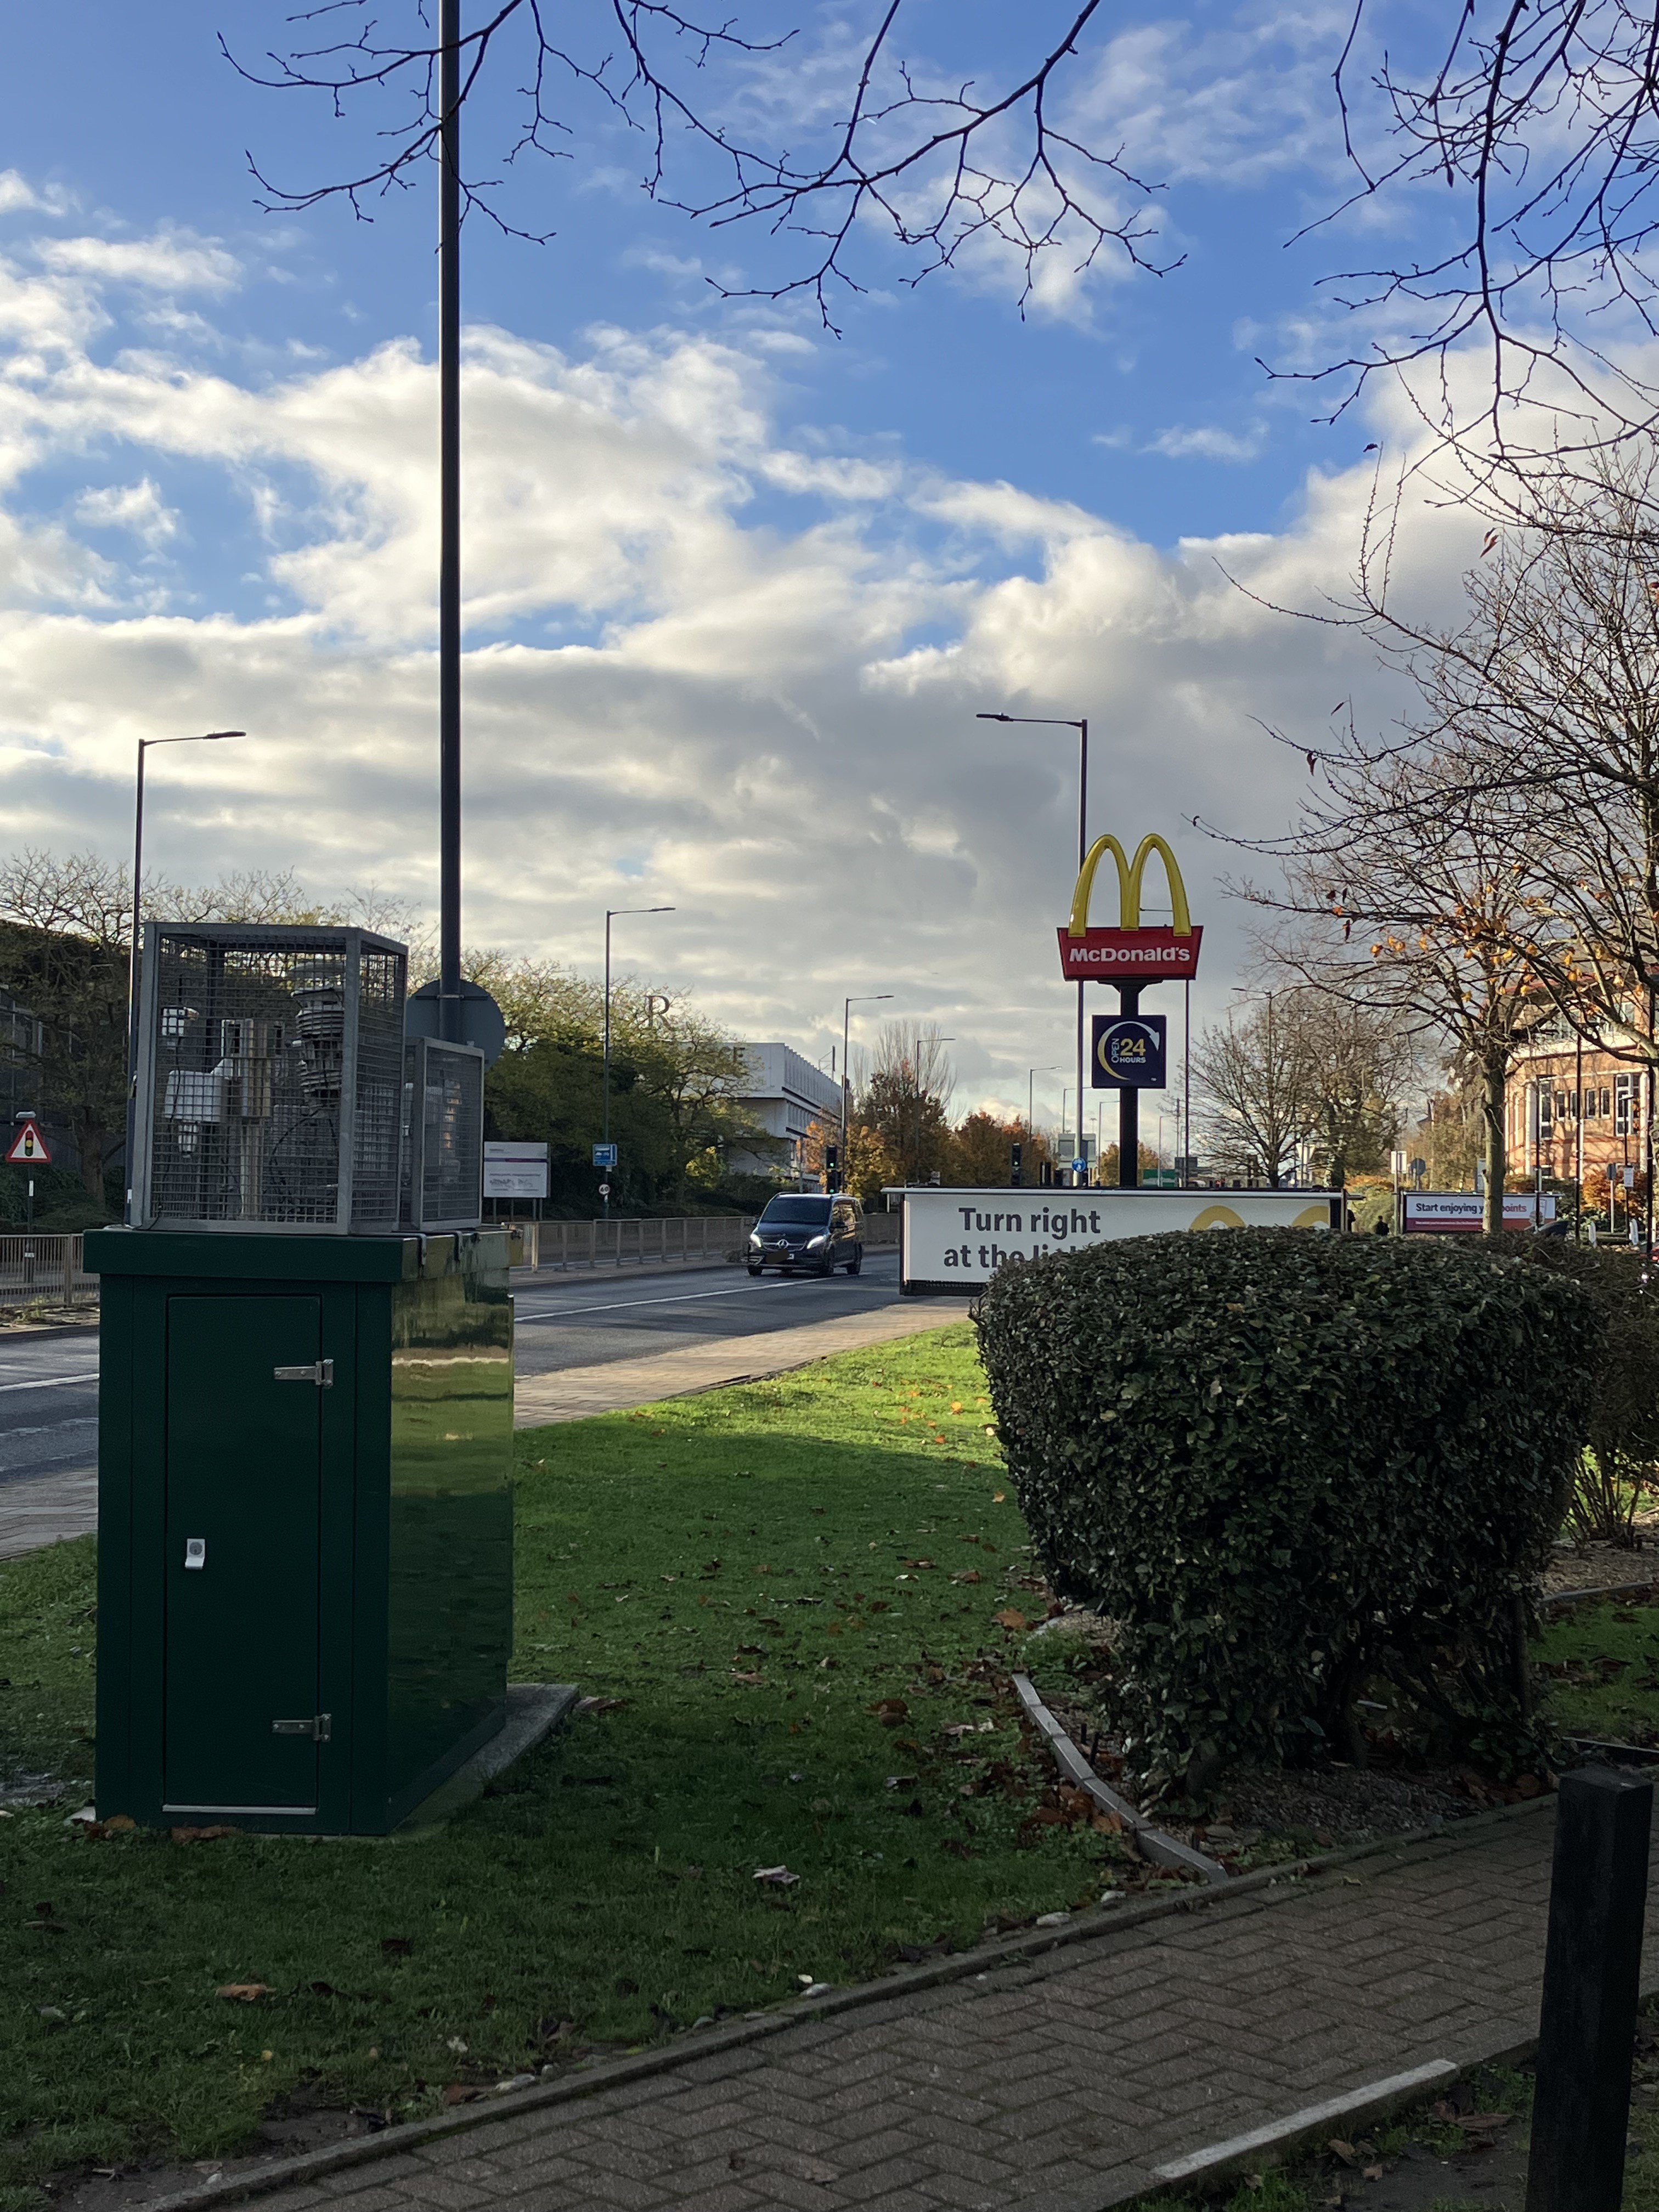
(305, 1523)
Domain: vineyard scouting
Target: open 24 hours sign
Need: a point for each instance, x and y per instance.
(956, 1240)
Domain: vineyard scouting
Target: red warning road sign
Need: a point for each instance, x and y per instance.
(28, 1148)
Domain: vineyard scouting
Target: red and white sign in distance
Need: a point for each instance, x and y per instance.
(1129, 956)
(28, 1148)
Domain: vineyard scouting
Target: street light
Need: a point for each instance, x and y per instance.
(866, 999)
(1080, 724)
(610, 913)
(195, 738)
(1031, 1075)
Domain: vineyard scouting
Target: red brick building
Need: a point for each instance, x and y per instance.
(1572, 1108)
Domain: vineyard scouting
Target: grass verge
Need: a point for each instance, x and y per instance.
(1601, 1662)
(791, 1591)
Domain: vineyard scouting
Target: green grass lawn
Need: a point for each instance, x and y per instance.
(790, 1587)
(1602, 1665)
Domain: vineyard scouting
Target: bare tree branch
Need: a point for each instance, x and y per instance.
(942, 168)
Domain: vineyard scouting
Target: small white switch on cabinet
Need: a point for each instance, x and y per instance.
(195, 1550)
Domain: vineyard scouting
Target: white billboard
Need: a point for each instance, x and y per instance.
(515, 1169)
(1461, 1212)
(956, 1240)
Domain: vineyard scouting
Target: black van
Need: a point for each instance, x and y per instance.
(801, 1231)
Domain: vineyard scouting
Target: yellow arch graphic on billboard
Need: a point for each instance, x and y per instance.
(1129, 874)
(1217, 1217)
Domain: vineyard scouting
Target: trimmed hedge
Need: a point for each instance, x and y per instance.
(1287, 1462)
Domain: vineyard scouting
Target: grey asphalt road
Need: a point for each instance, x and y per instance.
(589, 1322)
(48, 1404)
(49, 1386)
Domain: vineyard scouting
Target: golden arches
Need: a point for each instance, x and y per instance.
(1217, 1217)
(1129, 874)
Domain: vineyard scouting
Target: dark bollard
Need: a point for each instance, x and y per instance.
(1592, 1967)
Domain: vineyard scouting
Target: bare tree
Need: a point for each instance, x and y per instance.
(910, 143)
(906, 1097)
(1543, 123)
(1408, 888)
(1251, 1074)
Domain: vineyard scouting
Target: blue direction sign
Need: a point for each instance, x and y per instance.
(1131, 1051)
(605, 1156)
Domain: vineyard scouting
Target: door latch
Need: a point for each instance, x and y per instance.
(320, 1728)
(321, 1371)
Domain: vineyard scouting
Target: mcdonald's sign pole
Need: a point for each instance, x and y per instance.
(1130, 1052)
(1081, 726)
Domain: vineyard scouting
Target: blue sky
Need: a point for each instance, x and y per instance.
(737, 587)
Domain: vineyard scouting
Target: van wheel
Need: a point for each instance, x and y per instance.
(856, 1262)
(753, 1269)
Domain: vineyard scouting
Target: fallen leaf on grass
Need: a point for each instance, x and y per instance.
(968, 1575)
(1480, 2123)
(397, 1946)
(598, 1705)
(1373, 2174)
(1344, 2151)
(779, 1876)
(200, 1835)
(1009, 1618)
(245, 1992)
(755, 1681)
(457, 2093)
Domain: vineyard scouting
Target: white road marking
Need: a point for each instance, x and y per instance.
(685, 1298)
(52, 1382)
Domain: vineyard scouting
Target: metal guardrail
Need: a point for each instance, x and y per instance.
(619, 1243)
(42, 1269)
(622, 1242)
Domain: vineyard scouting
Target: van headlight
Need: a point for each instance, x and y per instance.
(754, 1238)
(817, 1243)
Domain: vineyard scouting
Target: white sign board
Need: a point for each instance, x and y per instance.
(513, 1170)
(1441, 1212)
(956, 1240)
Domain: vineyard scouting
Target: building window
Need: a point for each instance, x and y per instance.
(1546, 1115)
(1623, 1088)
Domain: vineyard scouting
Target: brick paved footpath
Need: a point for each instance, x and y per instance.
(1048, 2085)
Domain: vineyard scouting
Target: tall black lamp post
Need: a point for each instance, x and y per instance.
(1081, 726)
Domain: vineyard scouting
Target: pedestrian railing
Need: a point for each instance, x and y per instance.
(621, 1243)
(44, 1270)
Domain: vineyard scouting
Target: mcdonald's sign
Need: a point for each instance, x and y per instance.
(1129, 954)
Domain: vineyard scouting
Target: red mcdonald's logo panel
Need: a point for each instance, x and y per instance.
(1129, 956)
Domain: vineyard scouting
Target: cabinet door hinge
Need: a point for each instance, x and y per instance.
(321, 1371)
(319, 1727)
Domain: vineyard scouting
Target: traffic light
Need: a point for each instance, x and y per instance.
(1015, 1170)
(832, 1167)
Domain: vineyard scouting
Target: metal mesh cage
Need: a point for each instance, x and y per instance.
(443, 1134)
(270, 1078)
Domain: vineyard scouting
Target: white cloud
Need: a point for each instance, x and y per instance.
(769, 724)
(138, 507)
(1207, 442)
(171, 261)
